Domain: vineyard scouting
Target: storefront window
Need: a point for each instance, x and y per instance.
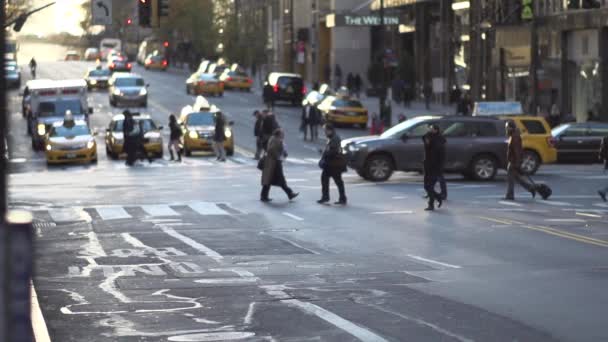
(587, 90)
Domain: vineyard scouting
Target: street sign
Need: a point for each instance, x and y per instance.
(101, 11)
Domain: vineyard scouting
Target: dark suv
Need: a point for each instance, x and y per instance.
(476, 147)
(284, 87)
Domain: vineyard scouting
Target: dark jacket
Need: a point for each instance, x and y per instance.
(127, 127)
(434, 153)
(257, 128)
(176, 131)
(515, 149)
(272, 174)
(307, 119)
(333, 160)
(269, 125)
(220, 125)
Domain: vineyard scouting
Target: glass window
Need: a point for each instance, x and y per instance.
(458, 129)
(419, 131)
(200, 119)
(285, 82)
(207, 77)
(598, 131)
(129, 82)
(575, 131)
(58, 108)
(406, 126)
(347, 103)
(484, 129)
(99, 72)
(62, 131)
(534, 126)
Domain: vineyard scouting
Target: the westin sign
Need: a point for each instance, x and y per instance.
(359, 20)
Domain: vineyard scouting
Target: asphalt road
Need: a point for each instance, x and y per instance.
(186, 252)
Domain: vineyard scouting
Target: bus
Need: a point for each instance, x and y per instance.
(109, 44)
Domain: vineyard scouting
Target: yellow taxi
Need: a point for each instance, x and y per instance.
(156, 62)
(153, 141)
(204, 84)
(198, 125)
(537, 141)
(341, 109)
(236, 80)
(70, 141)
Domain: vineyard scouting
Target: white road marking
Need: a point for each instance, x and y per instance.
(399, 197)
(601, 205)
(559, 204)
(159, 210)
(112, 213)
(18, 160)
(249, 316)
(433, 261)
(297, 218)
(566, 220)
(298, 161)
(188, 241)
(41, 333)
(312, 160)
(589, 215)
(392, 212)
(207, 208)
(510, 203)
(68, 215)
(212, 336)
(226, 281)
(330, 317)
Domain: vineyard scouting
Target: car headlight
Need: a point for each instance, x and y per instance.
(117, 92)
(41, 129)
(49, 147)
(91, 144)
(228, 133)
(143, 92)
(193, 135)
(356, 147)
(93, 82)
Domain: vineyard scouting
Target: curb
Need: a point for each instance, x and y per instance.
(41, 333)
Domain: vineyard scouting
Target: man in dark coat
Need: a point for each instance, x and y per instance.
(514, 154)
(434, 157)
(272, 172)
(269, 125)
(130, 137)
(219, 136)
(358, 84)
(350, 83)
(333, 165)
(257, 132)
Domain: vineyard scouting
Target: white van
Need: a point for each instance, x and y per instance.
(107, 45)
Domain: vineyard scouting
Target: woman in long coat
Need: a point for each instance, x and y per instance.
(272, 173)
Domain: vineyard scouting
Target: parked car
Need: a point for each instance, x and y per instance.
(476, 147)
(128, 89)
(12, 74)
(284, 87)
(579, 142)
(72, 56)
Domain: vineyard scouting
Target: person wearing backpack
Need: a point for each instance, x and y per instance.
(604, 158)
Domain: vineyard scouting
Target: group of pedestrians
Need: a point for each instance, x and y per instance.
(311, 120)
(134, 140)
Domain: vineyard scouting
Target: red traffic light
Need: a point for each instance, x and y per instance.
(166, 44)
(129, 21)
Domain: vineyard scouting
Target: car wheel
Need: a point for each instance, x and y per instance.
(530, 162)
(483, 168)
(379, 168)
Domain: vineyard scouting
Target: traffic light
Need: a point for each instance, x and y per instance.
(166, 44)
(144, 9)
(163, 8)
(129, 21)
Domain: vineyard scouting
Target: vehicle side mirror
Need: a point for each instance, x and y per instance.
(231, 123)
(91, 110)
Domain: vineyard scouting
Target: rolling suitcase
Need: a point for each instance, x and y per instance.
(541, 188)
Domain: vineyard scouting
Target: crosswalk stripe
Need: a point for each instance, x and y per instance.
(602, 205)
(207, 208)
(298, 161)
(112, 213)
(159, 210)
(558, 204)
(312, 160)
(67, 215)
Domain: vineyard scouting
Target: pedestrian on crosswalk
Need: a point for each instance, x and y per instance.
(434, 158)
(269, 126)
(272, 172)
(514, 154)
(604, 158)
(130, 132)
(175, 138)
(257, 132)
(219, 137)
(333, 164)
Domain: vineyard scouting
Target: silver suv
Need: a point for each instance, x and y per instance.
(476, 147)
(128, 89)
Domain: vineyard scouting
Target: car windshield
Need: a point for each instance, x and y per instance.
(58, 108)
(403, 127)
(99, 72)
(148, 125)
(200, 119)
(347, 103)
(129, 82)
(76, 130)
(285, 82)
(10, 70)
(207, 77)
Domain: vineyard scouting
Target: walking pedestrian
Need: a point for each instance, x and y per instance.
(306, 120)
(350, 83)
(272, 172)
(333, 165)
(175, 138)
(514, 153)
(434, 157)
(604, 157)
(130, 132)
(219, 136)
(338, 75)
(358, 85)
(257, 132)
(269, 125)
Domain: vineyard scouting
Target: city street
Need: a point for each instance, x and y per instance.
(187, 252)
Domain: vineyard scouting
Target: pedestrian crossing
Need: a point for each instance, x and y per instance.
(147, 211)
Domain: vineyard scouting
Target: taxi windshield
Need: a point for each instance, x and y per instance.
(200, 119)
(403, 127)
(148, 125)
(58, 108)
(99, 72)
(347, 103)
(129, 82)
(63, 131)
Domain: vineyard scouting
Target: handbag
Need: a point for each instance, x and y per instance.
(261, 163)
